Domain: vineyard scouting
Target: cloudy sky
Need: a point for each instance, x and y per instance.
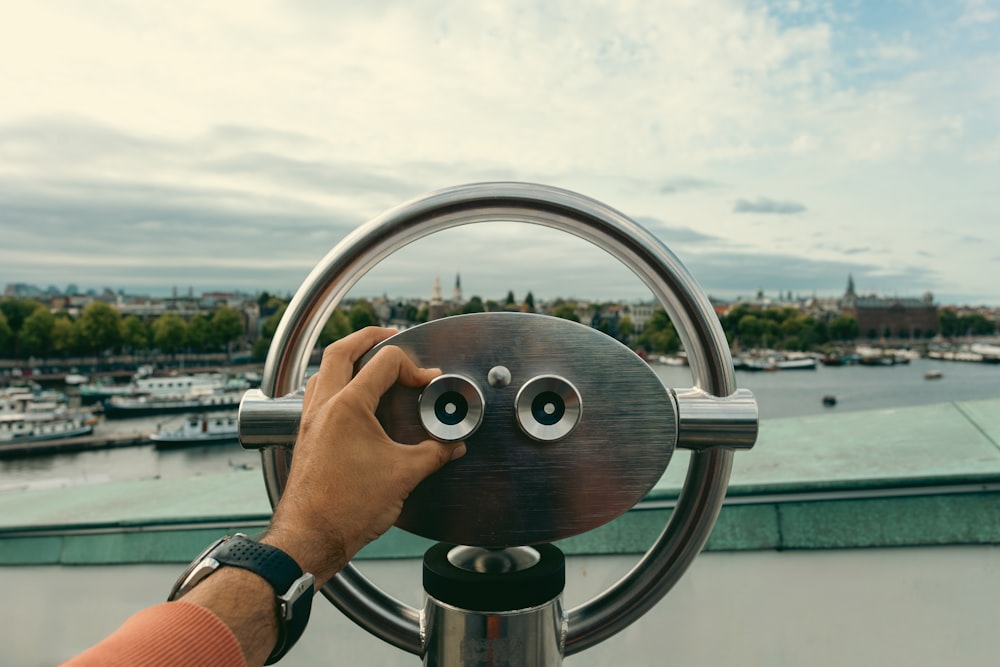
(770, 145)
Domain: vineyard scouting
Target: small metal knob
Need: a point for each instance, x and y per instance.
(548, 408)
(451, 408)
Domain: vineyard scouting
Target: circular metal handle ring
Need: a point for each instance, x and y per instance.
(686, 304)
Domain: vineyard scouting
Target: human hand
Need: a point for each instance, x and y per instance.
(348, 479)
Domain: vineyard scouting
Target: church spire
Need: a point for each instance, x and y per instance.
(456, 296)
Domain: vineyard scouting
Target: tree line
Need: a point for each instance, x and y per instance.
(28, 328)
(747, 328)
(361, 313)
(972, 324)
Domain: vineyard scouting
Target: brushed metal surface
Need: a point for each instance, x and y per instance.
(510, 489)
(459, 638)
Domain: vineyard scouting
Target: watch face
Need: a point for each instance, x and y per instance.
(179, 585)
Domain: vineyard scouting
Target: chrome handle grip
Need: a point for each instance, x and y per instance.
(705, 421)
(651, 261)
(268, 422)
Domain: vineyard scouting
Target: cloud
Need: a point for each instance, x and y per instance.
(977, 12)
(151, 144)
(681, 184)
(767, 206)
(731, 274)
(672, 235)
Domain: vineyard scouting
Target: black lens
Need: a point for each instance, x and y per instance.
(548, 408)
(451, 408)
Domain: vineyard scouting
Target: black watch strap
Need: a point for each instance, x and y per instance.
(293, 590)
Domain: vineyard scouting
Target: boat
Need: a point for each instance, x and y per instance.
(829, 400)
(990, 354)
(122, 407)
(933, 375)
(797, 364)
(674, 360)
(778, 364)
(170, 385)
(143, 384)
(204, 429)
(38, 425)
(94, 392)
(28, 400)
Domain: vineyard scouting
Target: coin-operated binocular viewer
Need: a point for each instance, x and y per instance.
(566, 429)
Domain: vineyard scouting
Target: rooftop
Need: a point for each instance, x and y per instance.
(924, 475)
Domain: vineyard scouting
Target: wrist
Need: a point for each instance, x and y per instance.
(257, 589)
(322, 556)
(244, 602)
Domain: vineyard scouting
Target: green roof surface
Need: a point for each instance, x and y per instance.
(907, 476)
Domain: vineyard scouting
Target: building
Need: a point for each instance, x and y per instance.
(456, 296)
(900, 318)
(436, 308)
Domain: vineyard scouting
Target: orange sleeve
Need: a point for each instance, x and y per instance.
(172, 634)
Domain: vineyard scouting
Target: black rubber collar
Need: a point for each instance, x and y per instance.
(479, 591)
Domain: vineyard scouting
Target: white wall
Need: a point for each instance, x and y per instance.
(914, 607)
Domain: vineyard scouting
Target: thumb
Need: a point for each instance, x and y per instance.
(430, 456)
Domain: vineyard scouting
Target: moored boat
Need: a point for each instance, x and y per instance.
(94, 392)
(119, 407)
(778, 364)
(38, 426)
(205, 429)
(28, 400)
(171, 386)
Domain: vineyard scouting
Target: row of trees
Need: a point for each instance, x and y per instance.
(361, 314)
(971, 324)
(342, 322)
(785, 329)
(28, 328)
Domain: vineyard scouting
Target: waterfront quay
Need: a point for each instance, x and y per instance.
(119, 368)
(52, 393)
(81, 443)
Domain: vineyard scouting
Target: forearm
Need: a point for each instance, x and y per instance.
(171, 634)
(245, 603)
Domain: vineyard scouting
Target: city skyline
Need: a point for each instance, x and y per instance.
(29, 290)
(777, 145)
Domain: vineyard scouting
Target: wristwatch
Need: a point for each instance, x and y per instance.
(293, 590)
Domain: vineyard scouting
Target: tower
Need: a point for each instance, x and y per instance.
(456, 297)
(850, 300)
(435, 309)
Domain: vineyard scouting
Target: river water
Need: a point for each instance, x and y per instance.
(779, 394)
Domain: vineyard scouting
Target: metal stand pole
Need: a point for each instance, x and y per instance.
(494, 608)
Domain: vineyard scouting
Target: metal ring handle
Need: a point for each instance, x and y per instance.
(687, 305)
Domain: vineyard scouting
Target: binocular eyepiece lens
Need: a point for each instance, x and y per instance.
(451, 408)
(548, 408)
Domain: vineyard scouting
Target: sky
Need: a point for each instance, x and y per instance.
(775, 146)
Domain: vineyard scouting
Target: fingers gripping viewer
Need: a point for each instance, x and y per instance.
(346, 486)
